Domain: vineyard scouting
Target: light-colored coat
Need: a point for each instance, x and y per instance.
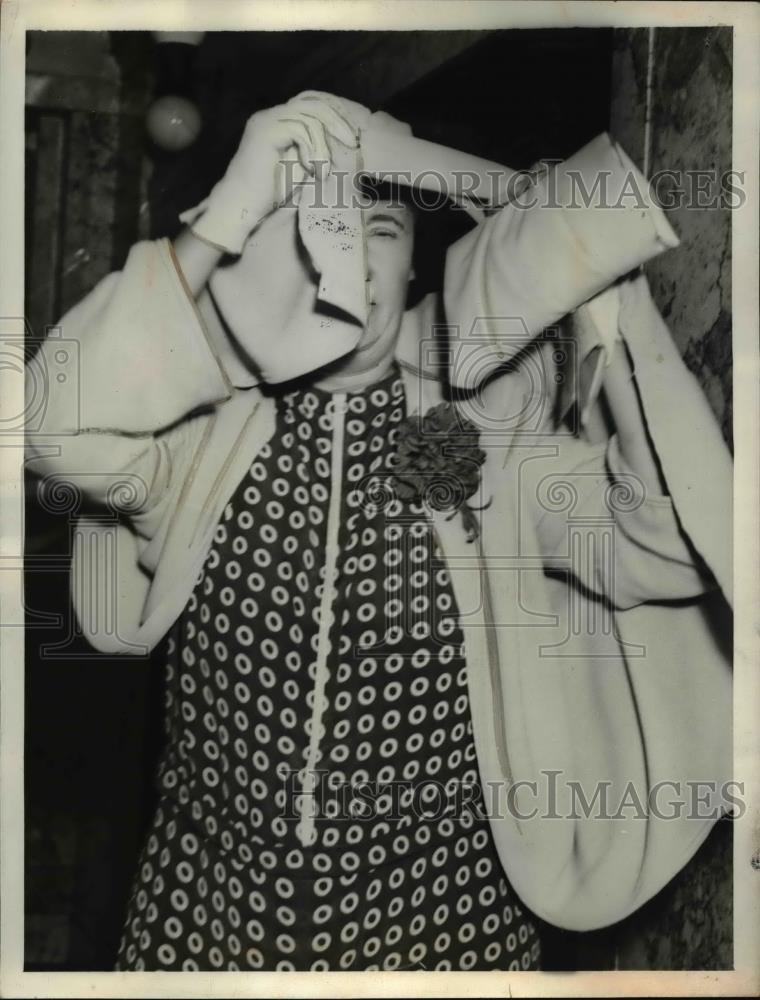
(586, 607)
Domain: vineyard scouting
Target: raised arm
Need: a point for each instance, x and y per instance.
(151, 351)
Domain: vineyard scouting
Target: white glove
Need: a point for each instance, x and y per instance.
(279, 148)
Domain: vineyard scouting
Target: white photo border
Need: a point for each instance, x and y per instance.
(18, 16)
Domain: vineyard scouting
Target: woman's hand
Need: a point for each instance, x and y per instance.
(280, 147)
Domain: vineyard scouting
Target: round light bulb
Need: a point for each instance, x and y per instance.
(173, 122)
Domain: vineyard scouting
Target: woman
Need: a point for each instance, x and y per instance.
(291, 534)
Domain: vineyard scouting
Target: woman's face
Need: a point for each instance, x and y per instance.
(389, 229)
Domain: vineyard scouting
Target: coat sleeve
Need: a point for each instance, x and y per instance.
(666, 547)
(597, 522)
(142, 364)
(580, 509)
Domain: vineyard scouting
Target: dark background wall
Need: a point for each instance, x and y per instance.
(95, 184)
(689, 130)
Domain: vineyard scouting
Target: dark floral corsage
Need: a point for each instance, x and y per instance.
(438, 462)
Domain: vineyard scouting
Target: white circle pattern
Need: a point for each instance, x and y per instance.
(238, 888)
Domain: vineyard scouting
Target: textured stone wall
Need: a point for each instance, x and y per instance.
(689, 924)
(690, 130)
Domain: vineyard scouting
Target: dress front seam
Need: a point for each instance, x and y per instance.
(305, 829)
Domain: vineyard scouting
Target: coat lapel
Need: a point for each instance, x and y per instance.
(234, 436)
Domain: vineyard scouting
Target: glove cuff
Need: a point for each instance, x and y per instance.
(224, 218)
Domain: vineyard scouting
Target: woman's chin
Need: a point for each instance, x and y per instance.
(368, 341)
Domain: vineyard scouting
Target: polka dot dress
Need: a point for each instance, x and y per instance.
(320, 803)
